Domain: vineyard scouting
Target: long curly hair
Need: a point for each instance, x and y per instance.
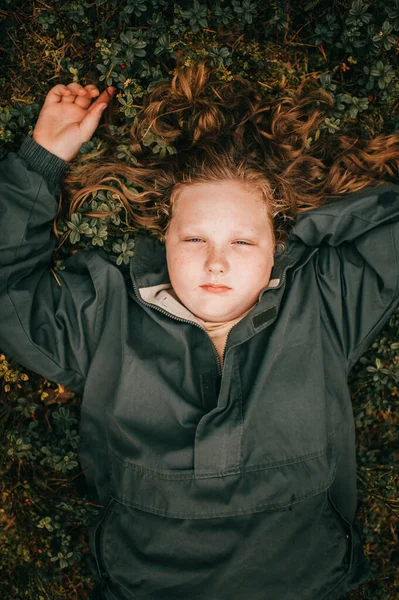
(228, 131)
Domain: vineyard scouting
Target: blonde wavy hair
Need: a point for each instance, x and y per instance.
(227, 131)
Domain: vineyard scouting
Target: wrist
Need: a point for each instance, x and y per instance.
(49, 148)
(40, 159)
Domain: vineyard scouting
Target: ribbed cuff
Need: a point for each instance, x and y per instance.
(50, 166)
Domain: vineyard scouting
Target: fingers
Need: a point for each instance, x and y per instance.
(93, 116)
(104, 97)
(79, 94)
(73, 92)
(84, 99)
(57, 93)
(91, 121)
(82, 96)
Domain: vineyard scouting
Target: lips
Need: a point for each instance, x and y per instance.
(215, 289)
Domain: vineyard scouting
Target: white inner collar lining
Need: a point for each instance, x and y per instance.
(164, 296)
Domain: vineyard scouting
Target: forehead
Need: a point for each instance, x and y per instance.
(227, 198)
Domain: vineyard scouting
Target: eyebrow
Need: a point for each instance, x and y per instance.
(186, 228)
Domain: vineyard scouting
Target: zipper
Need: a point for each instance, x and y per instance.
(225, 344)
(165, 312)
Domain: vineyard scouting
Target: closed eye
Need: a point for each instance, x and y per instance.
(239, 242)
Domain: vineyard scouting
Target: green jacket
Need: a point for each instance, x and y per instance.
(219, 484)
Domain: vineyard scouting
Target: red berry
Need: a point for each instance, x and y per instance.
(370, 98)
(123, 66)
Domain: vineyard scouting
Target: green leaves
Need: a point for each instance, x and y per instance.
(129, 108)
(358, 14)
(245, 10)
(220, 56)
(384, 36)
(163, 45)
(125, 153)
(133, 7)
(197, 16)
(134, 44)
(77, 227)
(353, 104)
(159, 146)
(46, 19)
(63, 559)
(98, 233)
(393, 14)
(326, 83)
(384, 73)
(96, 229)
(224, 14)
(326, 31)
(123, 248)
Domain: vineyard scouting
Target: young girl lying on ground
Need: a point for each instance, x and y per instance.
(216, 423)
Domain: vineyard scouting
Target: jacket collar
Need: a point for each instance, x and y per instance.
(148, 267)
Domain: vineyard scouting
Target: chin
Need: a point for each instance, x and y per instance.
(213, 317)
(211, 312)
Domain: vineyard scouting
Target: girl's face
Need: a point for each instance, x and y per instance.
(219, 235)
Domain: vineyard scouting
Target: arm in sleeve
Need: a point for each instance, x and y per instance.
(357, 263)
(46, 327)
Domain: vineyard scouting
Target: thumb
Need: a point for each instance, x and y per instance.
(90, 123)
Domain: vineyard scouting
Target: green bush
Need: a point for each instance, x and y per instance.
(351, 48)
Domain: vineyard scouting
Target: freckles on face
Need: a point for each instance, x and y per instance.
(219, 249)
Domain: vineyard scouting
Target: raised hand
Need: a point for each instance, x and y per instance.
(69, 117)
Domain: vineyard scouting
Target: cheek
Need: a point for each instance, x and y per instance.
(181, 268)
(257, 273)
(181, 264)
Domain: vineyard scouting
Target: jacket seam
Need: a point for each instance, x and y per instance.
(351, 215)
(377, 326)
(159, 475)
(100, 303)
(240, 415)
(268, 507)
(325, 322)
(228, 441)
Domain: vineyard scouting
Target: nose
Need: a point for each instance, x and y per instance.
(216, 261)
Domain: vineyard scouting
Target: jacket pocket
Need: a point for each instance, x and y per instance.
(180, 494)
(346, 529)
(98, 543)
